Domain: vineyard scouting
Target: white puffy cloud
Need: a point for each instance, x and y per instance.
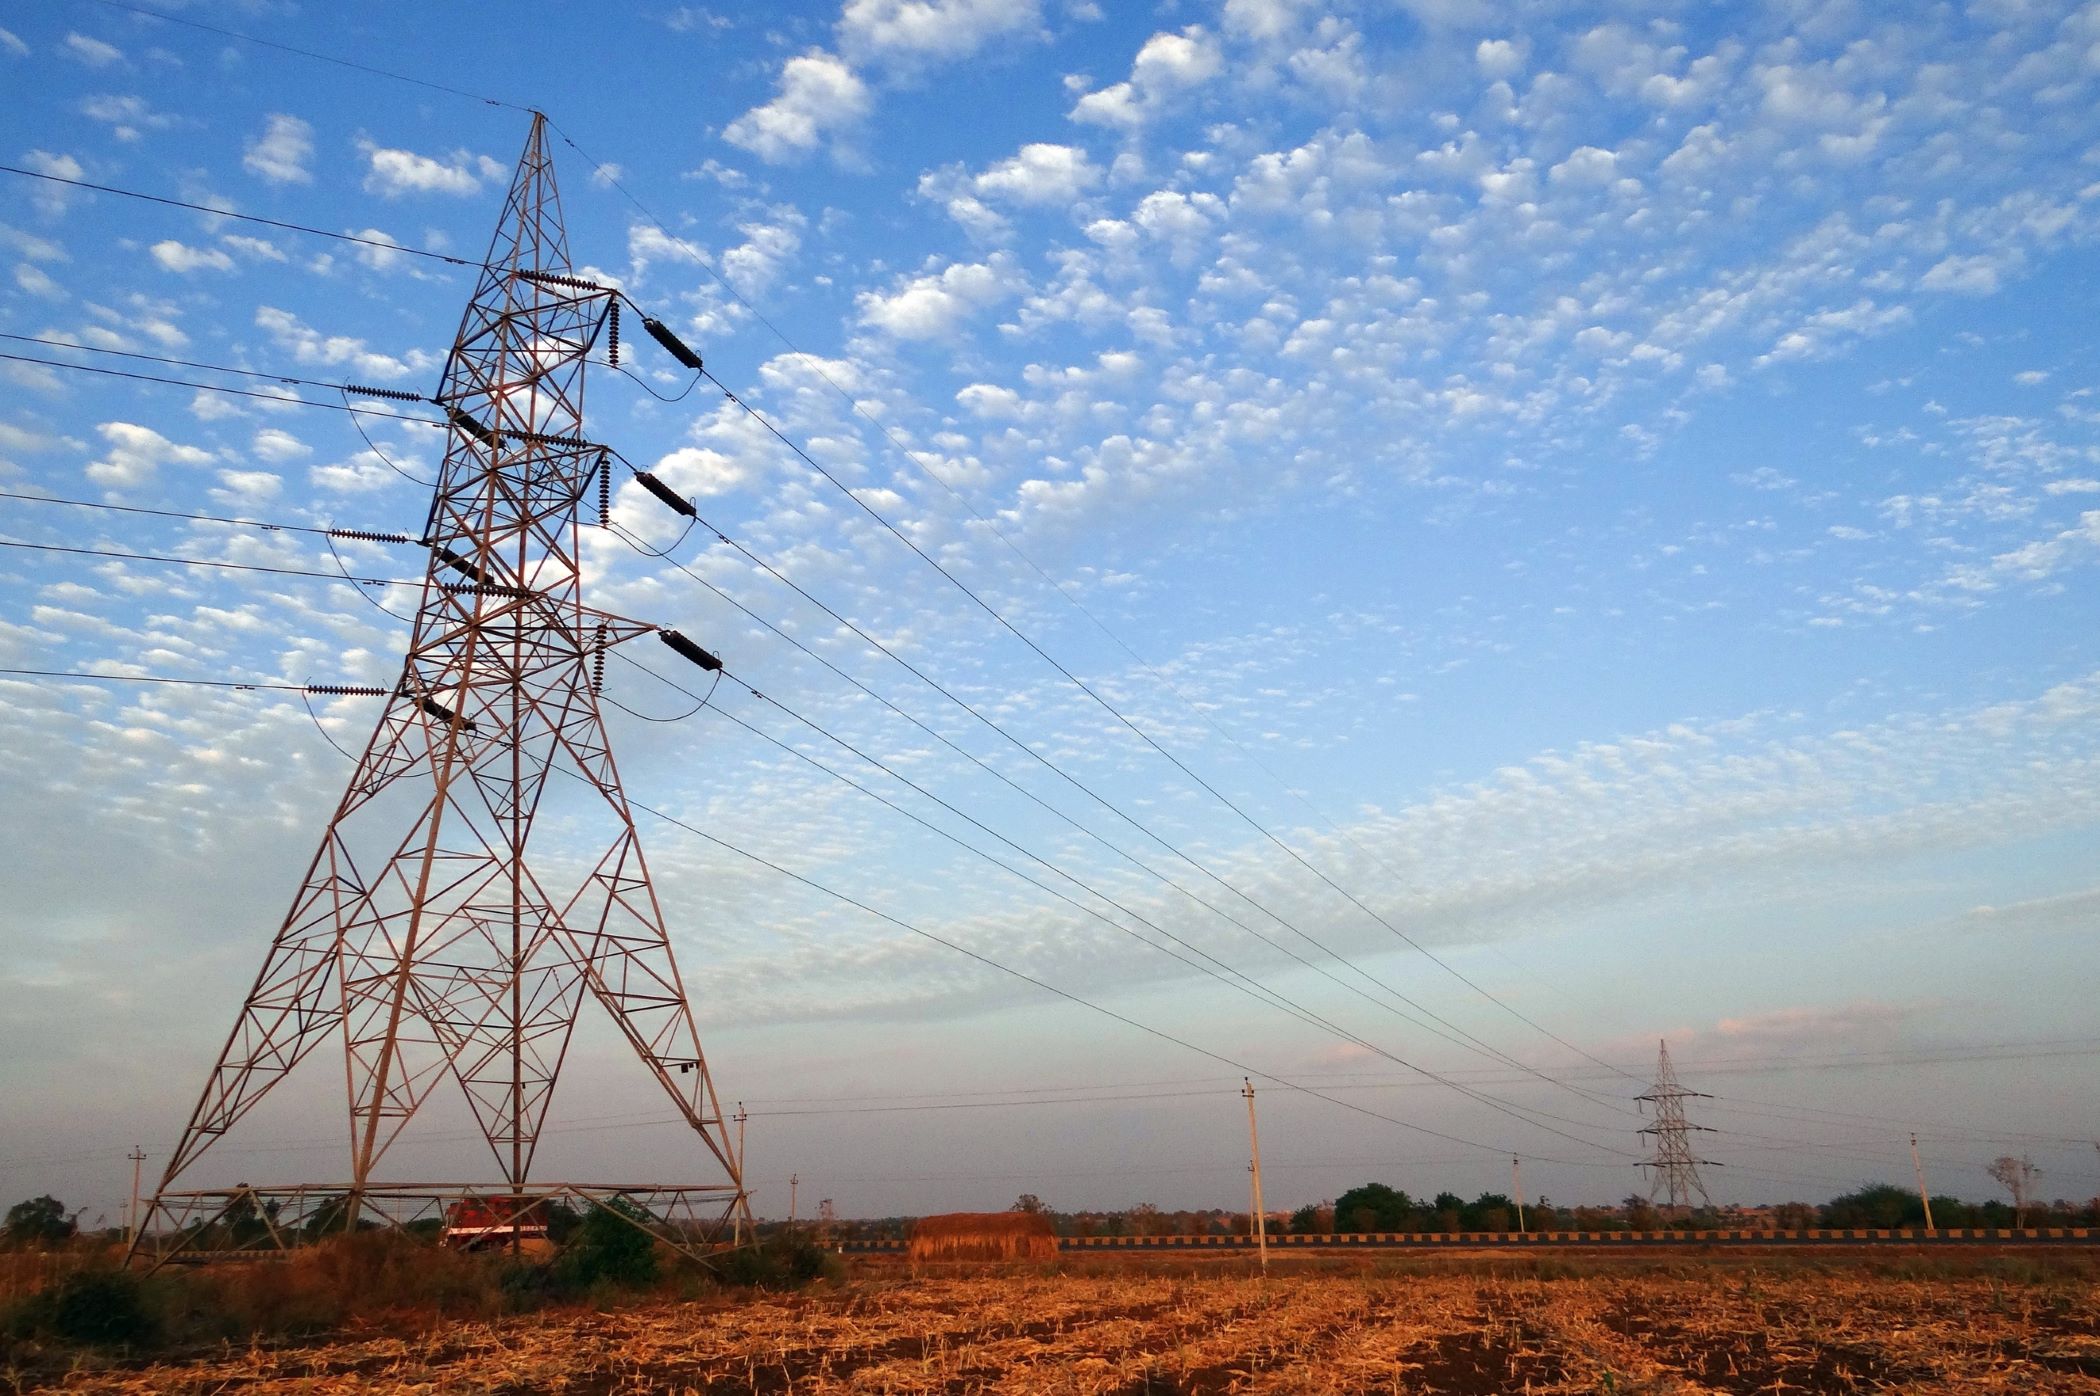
(755, 264)
(134, 454)
(1972, 276)
(391, 173)
(1261, 20)
(1499, 58)
(378, 258)
(699, 472)
(1166, 65)
(37, 282)
(819, 97)
(277, 446)
(936, 305)
(1177, 60)
(280, 153)
(125, 116)
(310, 346)
(903, 32)
(1586, 165)
(182, 258)
(248, 486)
(1040, 173)
(1114, 105)
(52, 199)
(93, 52)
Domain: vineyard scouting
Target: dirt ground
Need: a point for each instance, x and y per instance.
(1738, 1329)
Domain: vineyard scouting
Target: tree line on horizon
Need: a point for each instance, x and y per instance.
(1379, 1207)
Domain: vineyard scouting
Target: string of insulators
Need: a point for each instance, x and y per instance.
(390, 394)
(612, 335)
(366, 535)
(604, 491)
(673, 345)
(487, 589)
(347, 690)
(686, 649)
(540, 438)
(467, 424)
(574, 283)
(598, 661)
(459, 564)
(671, 498)
(442, 713)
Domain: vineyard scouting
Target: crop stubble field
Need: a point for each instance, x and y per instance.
(1131, 1334)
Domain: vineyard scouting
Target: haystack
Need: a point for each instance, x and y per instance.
(983, 1236)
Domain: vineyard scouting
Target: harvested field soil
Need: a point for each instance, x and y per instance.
(1213, 1334)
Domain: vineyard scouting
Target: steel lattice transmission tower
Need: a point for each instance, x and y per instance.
(426, 937)
(1673, 1171)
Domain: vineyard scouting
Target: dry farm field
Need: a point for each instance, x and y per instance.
(1738, 1330)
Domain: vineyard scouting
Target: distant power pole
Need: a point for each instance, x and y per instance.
(1261, 1218)
(131, 1218)
(794, 1182)
(1919, 1169)
(1675, 1172)
(1516, 1182)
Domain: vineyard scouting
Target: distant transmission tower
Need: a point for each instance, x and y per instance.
(1673, 1171)
(429, 936)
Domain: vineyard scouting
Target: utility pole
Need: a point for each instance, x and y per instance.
(1919, 1169)
(1516, 1182)
(131, 1218)
(794, 1181)
(1261, 1218)
(741, 1211)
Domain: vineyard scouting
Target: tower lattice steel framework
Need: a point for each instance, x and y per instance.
(1673, 1173)
(426, 936)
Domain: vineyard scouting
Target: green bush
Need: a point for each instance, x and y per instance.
(608, 1246)
(91, 1308)
(777, 1262)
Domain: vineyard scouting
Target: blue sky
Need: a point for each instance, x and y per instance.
(1615, 488)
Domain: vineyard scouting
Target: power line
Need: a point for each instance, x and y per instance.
(1001, 619)
(368, 534)
(222, 388)
(207, 562)
(1254, 987)
(367, 68)
(1246, 984)
(1143, 736)
(155, 678)
(229, 213)
(1045, 985)
(890, 435)
(213, 368)
(1477, 1044)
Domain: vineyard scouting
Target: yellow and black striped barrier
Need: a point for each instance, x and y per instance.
(1519, 1240)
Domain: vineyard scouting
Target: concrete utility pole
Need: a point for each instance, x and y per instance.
(794, 1182)
(1261, 1218)
(1919, 1169)
(1516, 1183)
(131, 1218)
